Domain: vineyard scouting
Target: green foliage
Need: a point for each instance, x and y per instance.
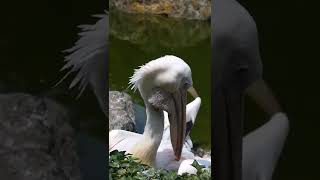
(125, 167)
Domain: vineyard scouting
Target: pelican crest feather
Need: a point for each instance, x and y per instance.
(154, 67)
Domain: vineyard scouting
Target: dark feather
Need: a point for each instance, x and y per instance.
(189, 127)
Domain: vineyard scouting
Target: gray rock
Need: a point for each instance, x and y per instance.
(37, 143)
(140, 30)
(188, 9)
(121, 114)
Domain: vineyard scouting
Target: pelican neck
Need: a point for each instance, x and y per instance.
(153, 130)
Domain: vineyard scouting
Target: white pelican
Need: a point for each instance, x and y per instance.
(163, 84)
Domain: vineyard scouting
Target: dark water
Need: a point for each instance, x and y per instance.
(137, 39)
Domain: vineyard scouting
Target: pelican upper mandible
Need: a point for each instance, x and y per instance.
(163, 84)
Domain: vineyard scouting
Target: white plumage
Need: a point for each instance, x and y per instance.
(154, 147)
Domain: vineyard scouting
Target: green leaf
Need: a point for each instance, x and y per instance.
(126, 167)
(197, 165)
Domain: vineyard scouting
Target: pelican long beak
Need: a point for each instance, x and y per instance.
(263, 96)
(177, 119)
(193, 92)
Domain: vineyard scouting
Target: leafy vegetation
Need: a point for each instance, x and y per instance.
(125, 167)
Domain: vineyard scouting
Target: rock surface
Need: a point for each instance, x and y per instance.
(188, 9)
(37, 143)
(121, 114)
(157, 31)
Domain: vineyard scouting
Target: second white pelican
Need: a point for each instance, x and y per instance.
(165, 148)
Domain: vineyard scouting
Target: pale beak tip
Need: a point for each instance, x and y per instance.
(177, 158)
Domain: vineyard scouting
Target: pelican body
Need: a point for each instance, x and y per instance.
(163, 84)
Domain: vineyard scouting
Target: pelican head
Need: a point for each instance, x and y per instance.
(163, 84)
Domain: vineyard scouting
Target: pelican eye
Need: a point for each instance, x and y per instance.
(186, 85)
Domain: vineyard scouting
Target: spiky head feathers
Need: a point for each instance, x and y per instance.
(167, 72)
